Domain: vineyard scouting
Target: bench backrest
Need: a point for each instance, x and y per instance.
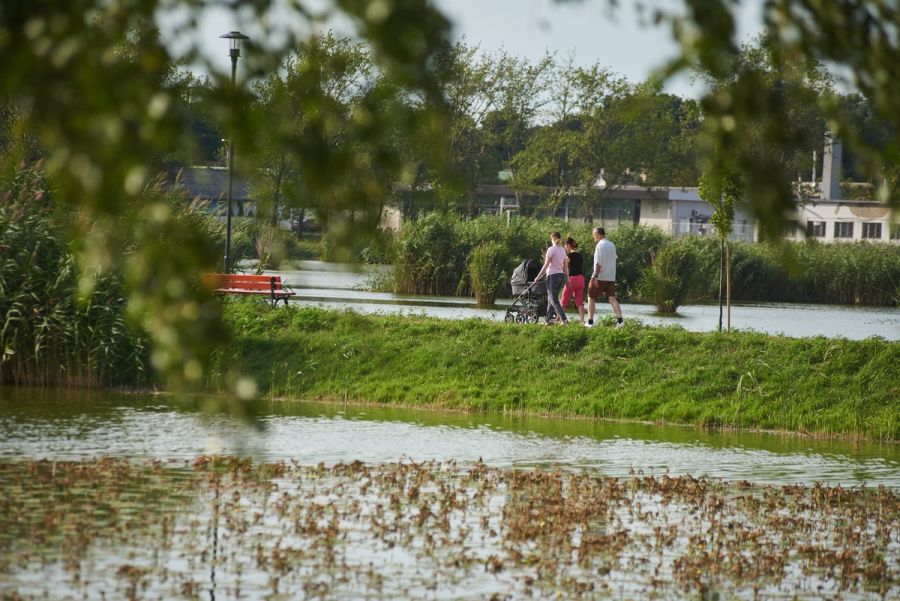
(215, 281)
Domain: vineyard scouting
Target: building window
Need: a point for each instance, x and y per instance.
(790, 228)
(843, 229)
(872, 231)
(815, 229)
(895, 231)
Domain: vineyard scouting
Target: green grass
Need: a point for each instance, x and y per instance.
(305, 248)
(742, 380)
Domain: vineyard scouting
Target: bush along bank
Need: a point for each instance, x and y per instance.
(742, 380)
(435, 254)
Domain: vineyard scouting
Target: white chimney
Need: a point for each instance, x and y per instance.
(831, 168)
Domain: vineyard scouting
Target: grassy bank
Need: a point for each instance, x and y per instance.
(663, 374)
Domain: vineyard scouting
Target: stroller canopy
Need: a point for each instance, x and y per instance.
(524, 274)
(530, 295)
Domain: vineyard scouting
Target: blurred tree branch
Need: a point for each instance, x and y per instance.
(94, 85)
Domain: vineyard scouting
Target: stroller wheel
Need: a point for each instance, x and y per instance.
(520, 318)
(533, 318)
(509, 318)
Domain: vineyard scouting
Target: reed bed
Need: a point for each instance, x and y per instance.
(435, 252)
(49, 334)
(228, 528)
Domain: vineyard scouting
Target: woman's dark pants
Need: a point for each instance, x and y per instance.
(555, 283)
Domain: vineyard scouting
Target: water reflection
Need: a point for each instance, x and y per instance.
(72, 425)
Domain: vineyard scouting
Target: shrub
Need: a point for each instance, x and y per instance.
(371, 248)
(434, 254)
(665, 279)
(304, 248)
(489, 271)
(270, 247)
(435, 251)
(635, 247)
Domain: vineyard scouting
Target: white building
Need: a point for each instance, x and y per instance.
(836, 220)
(821, 215)
(828, 217)
(684, 213)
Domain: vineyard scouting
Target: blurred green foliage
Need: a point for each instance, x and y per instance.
(91, 91)
(90, 86)
(761, 106)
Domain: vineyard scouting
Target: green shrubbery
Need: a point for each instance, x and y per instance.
(666, 279)
(435, 251)
(860, 273)
(372, 248)
(489, 271)
(65, 323)
(47, 335)
(434, 256)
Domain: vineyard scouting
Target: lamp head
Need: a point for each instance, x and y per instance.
(234, 41)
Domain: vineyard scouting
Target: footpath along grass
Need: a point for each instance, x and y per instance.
(743, 380)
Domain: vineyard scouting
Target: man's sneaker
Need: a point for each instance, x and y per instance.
(619, 324)
(589, 324)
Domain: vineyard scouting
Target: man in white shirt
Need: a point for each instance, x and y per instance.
(603, 278)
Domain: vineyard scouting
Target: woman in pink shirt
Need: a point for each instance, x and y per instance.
(556, 268)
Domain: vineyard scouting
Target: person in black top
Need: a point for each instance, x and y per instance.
(575, 288)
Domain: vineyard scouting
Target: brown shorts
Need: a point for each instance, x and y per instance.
(598, 289)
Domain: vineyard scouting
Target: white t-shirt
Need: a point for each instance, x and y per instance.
(605, 256)
(556, 254)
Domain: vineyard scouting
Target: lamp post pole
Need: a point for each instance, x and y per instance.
(234, 38)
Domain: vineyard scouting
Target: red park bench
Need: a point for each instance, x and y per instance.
(263, 285)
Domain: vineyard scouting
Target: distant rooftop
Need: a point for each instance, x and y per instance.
(211, 183)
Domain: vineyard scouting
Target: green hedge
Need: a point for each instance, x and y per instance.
(435, 251)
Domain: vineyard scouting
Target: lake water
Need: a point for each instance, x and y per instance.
(340, 286)
(76, 424)
(105, 495)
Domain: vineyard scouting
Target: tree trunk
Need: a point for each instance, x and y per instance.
(728, 284)
(301, 217)
(721, 277)
(276, 191)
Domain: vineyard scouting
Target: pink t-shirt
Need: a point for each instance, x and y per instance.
(556, 254)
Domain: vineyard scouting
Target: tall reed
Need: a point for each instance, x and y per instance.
(48, 335)
(489, 271)
(435, 251)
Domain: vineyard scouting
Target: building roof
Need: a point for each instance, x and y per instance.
(211, 183)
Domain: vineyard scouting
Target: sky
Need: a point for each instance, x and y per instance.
(585, 29)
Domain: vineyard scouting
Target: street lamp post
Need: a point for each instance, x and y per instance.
(235, 38)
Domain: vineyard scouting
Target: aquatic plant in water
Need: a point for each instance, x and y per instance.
(227, 527)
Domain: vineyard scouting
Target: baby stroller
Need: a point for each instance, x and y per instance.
(530, 302)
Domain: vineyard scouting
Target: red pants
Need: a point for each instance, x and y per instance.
(575, 288)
